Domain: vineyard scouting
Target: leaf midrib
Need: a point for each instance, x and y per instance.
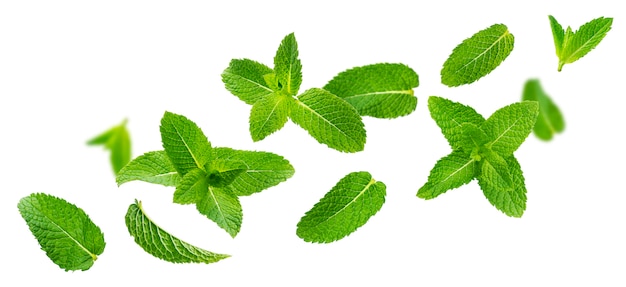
(251, 81)
(571, 55)
(93, 256)
(372, 181)
(503, 133)
(186, 145)
(398, 92)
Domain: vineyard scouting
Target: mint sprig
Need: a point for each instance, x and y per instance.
(482, 150)
(571, 46)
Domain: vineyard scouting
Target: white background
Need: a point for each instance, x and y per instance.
(70, 70)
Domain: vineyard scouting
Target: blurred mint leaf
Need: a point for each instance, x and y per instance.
(550, 120)
(117, 140)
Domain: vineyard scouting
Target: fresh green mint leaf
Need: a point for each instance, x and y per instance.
(511, 201)
(185, 144)
(191, 187)
(268, 115)
(571, 46)
(345, 208)
(329, 119)
(472, 136)
(450, 172)
(508, 127)
(450, 117)
(262, 169)
(287, 66)
(64, 231)
(245, 79)
(550, 119)
(380, 90)
(159, 243)
(153, 167)
(477, 56)
(117, 140)
(223, 207)
(495, 170)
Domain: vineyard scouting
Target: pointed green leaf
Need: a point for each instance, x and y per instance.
(550, 120)
(450, 116)
(262, 169)
(287, 66)
(380, 90)
(152, 167)
(345, 208)
(511, 201)
(557, 33)
(268, 115)
(159, 243)
(329, 119)
(245, 79)
(184, 143)
(117, 140)
(584, 40)
(477, 56)
(472, 136)
(509, 126)
(495, 170)
(64, 231)
(223, 207)
(450, 172)
(191, 187)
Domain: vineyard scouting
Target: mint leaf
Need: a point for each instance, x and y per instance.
(494, 169)
(184, 143)
(450, 116)
(379, 90)
(450, 172)
(262, 169)
(472, 136)
(571, 46)
(329, 119)
(152, 167)
(550, 119)
(477, 56)
(64, 231)
(245, 79)
(287, 66)
(117, 140)
(223, 173)
(345, 208)
(157, 242)
(223, 207)
(191, 187)
(510, 200)
(508, 127)
(268, 115)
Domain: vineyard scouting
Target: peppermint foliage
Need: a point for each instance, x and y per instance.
(212, 178)
(331, 115)
(161, 244)
(117, 140)
(345, 208)
(477, 56)
(573, 45)
(550, 120)
(64, 231)
(482, 150)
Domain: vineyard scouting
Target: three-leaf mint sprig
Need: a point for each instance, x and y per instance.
(212, 178)
(571, 46)
(483, 150)
(331, 115)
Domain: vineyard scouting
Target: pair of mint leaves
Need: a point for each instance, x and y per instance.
(332, 114)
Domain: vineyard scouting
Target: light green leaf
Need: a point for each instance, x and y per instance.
(287, 66)
(477, 56)
(262, 169)
(450, 117)
(577, 44)
(495, 170)
(451, 171)
(192, 187)
(511, 201)
(245, 79)
(557, 33)
(159, 243)
(472, 136)
(152, 167)
(509, 126)
(550, 119)
(224, 172)
(64, 231)
(268, 115)
(345, 208)
(223, 207)
(329, 119)
(117, 140)
(380, 90)
(184, 143)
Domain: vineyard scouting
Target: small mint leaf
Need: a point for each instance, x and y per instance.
(450, 117)
(245, 79)
(287, 66)
(117, 140)
(509, 126)
(268, 115)
(450, 172)
(185, 144)
(223, 207)
(511, 201)
(153, 167)
(191, 187)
